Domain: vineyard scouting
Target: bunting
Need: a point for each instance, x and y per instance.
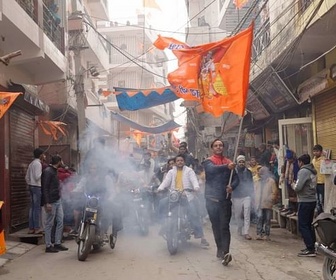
(215, 74)
(6, 100)
(169, 126)
(135, 99)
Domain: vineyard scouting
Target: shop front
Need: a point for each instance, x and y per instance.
(18, 140)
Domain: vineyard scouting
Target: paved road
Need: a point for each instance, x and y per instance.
(144, 258)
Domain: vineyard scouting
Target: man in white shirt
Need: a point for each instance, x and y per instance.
(33, 179)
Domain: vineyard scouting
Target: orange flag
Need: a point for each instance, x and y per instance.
(215, 74)
(6, 100)
(52, 128)
(151, 4)
(240, 3)
(2, 237)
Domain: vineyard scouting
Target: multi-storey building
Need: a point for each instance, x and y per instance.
(135, 63)
(62, 55)
(292, 78)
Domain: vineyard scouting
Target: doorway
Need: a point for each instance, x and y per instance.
(297, 135)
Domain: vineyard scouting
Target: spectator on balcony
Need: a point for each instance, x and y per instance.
(54, 12)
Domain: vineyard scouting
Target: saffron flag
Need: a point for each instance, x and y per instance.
(135, 99)
(240, 3)
(151, 4)
(2, 237)
(52, 128)
(215, 74)
(6, 100)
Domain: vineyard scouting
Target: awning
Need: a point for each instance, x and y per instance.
(29, 99)
(170, 125)
(273, 92)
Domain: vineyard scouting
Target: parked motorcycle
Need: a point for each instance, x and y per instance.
(325, 225)
(140, 209)
(177, 229)
(90, 232)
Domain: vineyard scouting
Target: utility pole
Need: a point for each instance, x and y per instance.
(77, 43)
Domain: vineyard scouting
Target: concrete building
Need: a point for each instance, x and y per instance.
(135, 63)
(62, 55)
(292, 80)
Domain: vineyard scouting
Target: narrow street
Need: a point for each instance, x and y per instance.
(144, 258)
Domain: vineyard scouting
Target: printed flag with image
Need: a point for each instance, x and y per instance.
(215, 74)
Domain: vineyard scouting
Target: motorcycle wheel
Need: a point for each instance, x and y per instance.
(85, 242)
(172, 237)
(329, 269)
(142, 222)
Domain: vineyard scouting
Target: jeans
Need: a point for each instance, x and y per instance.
(35, 207)
(55, 213)
(242, 211)
(320, 198)
(220, 216)
(305, 219)
(264, 221)
(194, 215)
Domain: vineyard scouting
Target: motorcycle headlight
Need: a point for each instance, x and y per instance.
(93, 202)
(174, 196)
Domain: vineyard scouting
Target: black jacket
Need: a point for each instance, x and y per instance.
(50, 185)
(216, 179)
(246, 186)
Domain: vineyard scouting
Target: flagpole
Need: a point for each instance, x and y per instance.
(236, 150)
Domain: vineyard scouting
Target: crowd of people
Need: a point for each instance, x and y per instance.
(216, 188)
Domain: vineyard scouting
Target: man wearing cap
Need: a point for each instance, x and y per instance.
(242, 197)
(218, 189)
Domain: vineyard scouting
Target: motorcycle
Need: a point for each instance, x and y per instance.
(177, 229)
(90, 233)
(325, 225)
(140, 209)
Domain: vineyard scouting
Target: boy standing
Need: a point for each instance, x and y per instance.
(318, 158)
(266, 194)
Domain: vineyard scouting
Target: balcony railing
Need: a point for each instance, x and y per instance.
(262, 39)
(30, 6)
(52, 28)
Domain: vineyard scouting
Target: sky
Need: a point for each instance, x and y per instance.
(171, 18)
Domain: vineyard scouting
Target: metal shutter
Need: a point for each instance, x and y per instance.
(21, 133)
(325, 118)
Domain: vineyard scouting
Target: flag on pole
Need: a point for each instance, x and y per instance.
(6, 100)
(215, 74)
(239, 3)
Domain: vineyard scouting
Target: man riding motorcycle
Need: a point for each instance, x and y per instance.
(180, 178)
(102, 185)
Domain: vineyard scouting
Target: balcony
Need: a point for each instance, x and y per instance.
(20, 31)
(293, 38)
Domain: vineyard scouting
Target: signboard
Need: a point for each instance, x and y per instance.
(313, 85)
(273, 92)
(255, 107)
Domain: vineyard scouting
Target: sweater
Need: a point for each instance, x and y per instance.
(217, 177)
(305, 186)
